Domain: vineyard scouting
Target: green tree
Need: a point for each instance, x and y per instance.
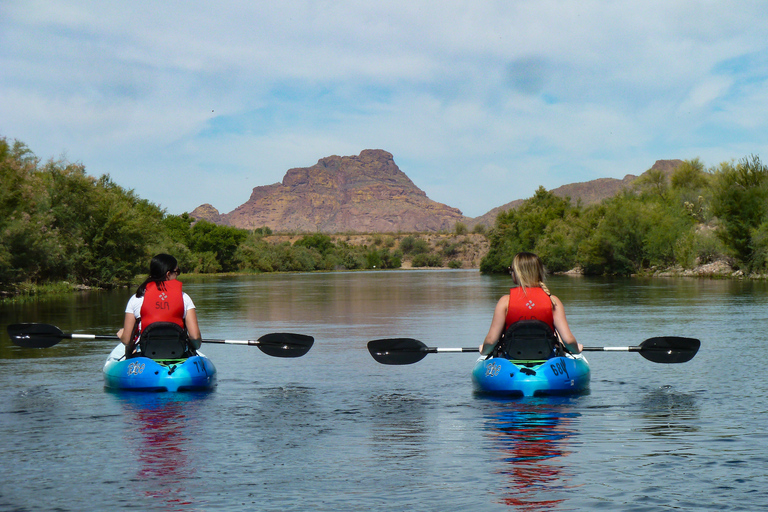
(104, 228)
(427, 260)
(652, 181)
(30, 249)
(179, 228)
(59, 223)
(383, 258)
(414, 245)
(740, 203)
(690, 175)
(520, 229)
(223, 241)
(558, 246)
(321, 242)
(629, 233)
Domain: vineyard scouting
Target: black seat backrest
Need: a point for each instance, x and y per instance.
(163, 340)
(528, 340)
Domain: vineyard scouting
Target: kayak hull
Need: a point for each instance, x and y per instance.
(196, 373)
(557, 376)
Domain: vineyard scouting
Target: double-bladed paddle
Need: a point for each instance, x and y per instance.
(277, 344)
(663, 349)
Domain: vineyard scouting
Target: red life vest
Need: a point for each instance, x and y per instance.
(531, 304)
(163, 304)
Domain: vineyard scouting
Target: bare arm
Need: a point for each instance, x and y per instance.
(497, 326)
(193, 328)
(128, 324)
(561, 324)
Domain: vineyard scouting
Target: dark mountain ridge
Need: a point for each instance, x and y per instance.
(368, 193)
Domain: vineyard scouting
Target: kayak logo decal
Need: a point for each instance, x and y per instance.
(135, 368)
(530, 304)
(492, 369)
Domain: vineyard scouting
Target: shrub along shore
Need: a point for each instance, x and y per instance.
(63, 229)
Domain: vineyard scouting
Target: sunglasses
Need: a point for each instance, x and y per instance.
(176, 271)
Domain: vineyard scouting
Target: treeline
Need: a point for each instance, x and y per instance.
(204, 247)
(59, 224)
(692, 217)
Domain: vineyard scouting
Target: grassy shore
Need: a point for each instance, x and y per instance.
(466, 249)
(31, 291)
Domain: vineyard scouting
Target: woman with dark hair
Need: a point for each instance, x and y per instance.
(160, 299)
(530, 300)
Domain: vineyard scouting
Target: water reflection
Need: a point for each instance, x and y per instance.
(344, 298)
(398, 431)
(668, 413)
(291, 413)
(532, 438)
(161, 430)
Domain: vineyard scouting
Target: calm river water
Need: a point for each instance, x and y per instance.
(336, 431)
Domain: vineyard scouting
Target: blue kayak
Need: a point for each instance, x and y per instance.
(195, 373)
(567, 374)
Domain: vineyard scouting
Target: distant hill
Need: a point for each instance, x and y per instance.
(588, 192)
(365, 193)
(369, 193)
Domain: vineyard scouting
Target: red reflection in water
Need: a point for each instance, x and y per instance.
(532, 438)
(160, 435)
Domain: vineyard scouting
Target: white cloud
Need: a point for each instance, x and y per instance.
(705, 93)
(207, 101)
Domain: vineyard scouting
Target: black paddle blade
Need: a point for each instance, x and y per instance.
(35, 335)
(285, 344)
(669, 349)
(397, 350)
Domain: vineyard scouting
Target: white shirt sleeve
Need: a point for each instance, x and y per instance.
(188, 304)
(134, 305)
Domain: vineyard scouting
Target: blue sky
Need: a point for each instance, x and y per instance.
(480, 102)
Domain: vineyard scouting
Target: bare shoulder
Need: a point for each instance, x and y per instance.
(502, 305)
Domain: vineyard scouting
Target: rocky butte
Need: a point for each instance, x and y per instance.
(367, 193)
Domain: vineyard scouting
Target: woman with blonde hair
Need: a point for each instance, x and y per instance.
(529, 300)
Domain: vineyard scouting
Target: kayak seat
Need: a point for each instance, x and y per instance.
(528, 340)
(164, 340)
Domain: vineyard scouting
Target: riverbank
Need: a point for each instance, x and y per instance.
(715, 269)
(466, 249)
(720, 269)
(30, 291)
(451, 250)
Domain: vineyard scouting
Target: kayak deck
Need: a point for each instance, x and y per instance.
(195, 373)
(567, 374)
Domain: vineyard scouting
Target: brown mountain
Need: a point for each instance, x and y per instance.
(588, 192)
(368, 193)
(364, 193)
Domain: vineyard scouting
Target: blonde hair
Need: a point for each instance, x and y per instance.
(529, 271)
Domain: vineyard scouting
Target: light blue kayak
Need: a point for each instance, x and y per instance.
(195, 373)
(563, 375)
